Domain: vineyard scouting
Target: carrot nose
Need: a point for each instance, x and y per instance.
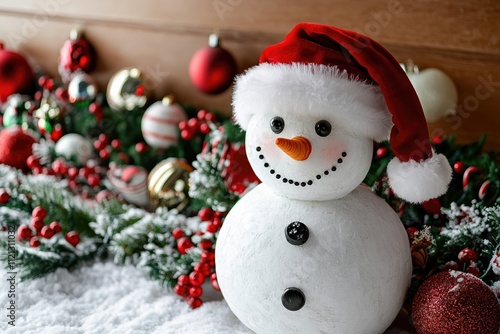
(297, 148)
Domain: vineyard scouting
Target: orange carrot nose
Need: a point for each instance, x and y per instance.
(298, 148)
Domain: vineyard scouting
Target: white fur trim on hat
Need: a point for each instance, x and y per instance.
(419, 181)
(310, 89)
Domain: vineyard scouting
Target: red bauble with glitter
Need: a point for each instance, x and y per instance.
(455, 302)
(76, 55)
(212, 68)
(15, 147)
(16, 75)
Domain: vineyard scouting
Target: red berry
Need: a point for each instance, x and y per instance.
(381, 152)
(473, 269)
(72, 172)
(207, 256)
(196, 278)
(183, 125)
(180, 290)
(459, 167)
(4, 196)
(73, 238)
(183, 280)
(195, 291)
(115, 143)
(195, 303)
(93, 180)
(47, 232)
(49, 84)
(214, 282)
(99, 145)
(104, 154)
(141, 147)
(203, 268)
(217, 222)
(42, 81)
(206, 244)
(57, 133)
(34, 242)
(123, 157)
(467, 255)
(24, 231)
(212, 228)
(210, 117)
(59, 167)
(55, 227)
(450, 265)
(432, 206)
(194, 124)
(206, 214)
(61, 93)
(39, 212)
(437, 139)
(184, 244)
(177, 233)
(37, 223)
(205, 128)
(201, 114)
(33, 162)
(187, 134)
(103, 138)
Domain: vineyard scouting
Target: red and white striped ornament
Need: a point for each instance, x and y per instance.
(132, 184)
(160, 123)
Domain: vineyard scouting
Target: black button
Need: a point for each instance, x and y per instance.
(293, 299)
(297, 233)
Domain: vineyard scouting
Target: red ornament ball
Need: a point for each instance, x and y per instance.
(77, 54)
(15, 147)
(432, 206)
(212, 69)
(16, 75)
(459, 167)
(455, 302)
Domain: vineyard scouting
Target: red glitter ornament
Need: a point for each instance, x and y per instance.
(15, 147)
(455, 302)
(76, 55)
(16, 75)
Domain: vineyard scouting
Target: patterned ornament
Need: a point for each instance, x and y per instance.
(15, 147)
(455, 302)
(160, 123)
(168, 184)
(82, 88)
(76, 55)
(16, 110)
(212, 68)
(74, 147)
(127, 90)
(132, 184)
(16, 75)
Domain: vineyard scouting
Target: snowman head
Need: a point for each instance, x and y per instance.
(313, 107)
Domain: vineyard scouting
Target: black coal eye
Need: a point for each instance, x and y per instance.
(323, 128)
(277, 124)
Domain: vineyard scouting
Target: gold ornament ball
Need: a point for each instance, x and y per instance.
(168, 184)
(127, 90)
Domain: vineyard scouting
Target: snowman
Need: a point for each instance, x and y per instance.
(311, 249)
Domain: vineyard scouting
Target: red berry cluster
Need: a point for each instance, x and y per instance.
(189, 286)
(83, 180)
(38, 215)
(96, 110)
(467, 258)
(199, 124)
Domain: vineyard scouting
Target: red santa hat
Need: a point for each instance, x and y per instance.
(358, 84)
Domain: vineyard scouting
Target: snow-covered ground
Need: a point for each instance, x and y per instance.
(106, 299)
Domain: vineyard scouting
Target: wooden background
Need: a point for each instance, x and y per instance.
(460, 37)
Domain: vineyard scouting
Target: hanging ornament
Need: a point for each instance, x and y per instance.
(16, 75)
(74, 147)
(160, 123)
(127, 90)
(82, 88)
(17, 110)
(132, 184)
(168, 184)
(455, 302)
(436, 91)
(76, 55)
(15, 147)
(212, 68)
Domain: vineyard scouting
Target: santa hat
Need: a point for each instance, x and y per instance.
(358, 84)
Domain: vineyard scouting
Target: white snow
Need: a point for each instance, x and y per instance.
(106, 298)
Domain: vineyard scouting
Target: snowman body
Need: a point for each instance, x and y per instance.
(353, 270)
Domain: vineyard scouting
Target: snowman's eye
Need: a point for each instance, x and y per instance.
(277, 124)
(323, 128)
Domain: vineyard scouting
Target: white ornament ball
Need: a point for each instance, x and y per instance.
(160, 123)
(74, 146)
(436, 91)
(351, 272)
(132, 184)
(82, 87)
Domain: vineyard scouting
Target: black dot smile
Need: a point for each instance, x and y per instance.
(300, 183)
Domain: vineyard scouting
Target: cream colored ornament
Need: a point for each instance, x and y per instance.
(436, 91)
(127, 90)
(74, 146)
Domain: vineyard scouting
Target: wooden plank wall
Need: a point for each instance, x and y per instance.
(460, 37)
